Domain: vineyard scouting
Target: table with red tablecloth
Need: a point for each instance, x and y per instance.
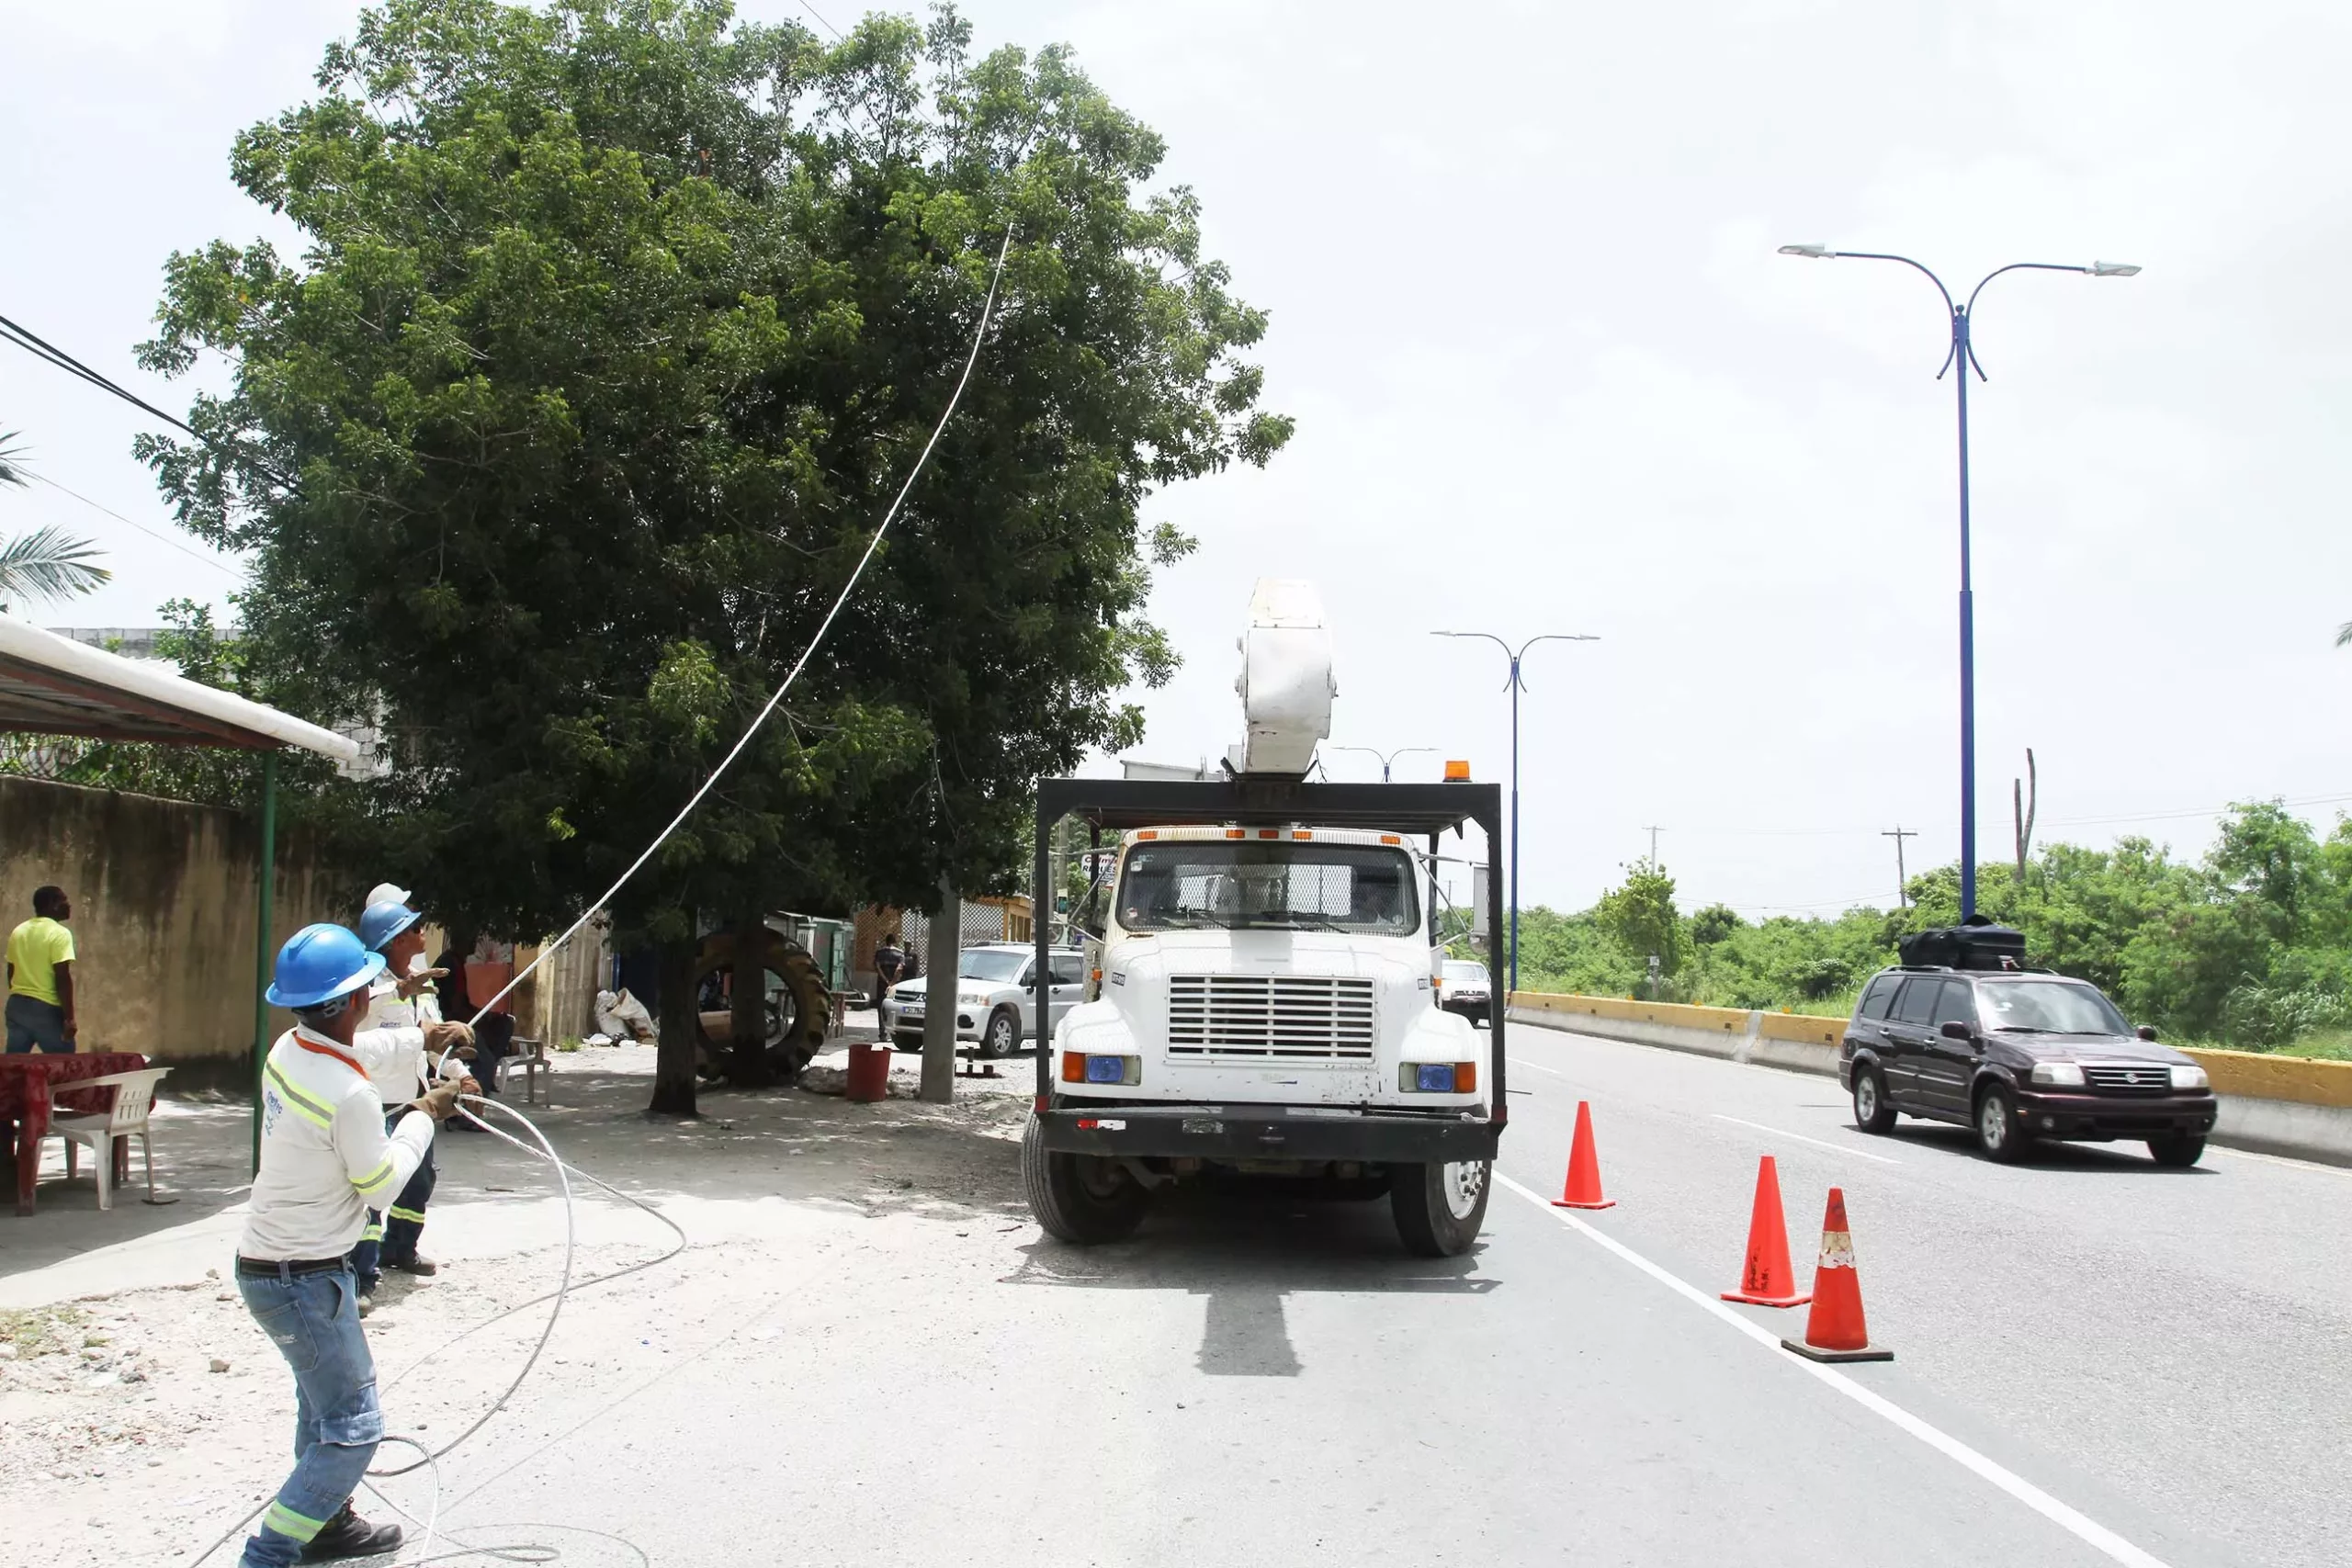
(33, 1082)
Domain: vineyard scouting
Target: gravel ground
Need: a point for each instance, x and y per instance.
(136, 1426)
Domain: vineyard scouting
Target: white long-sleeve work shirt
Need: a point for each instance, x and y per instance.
(395, 1060)
(326, 1157)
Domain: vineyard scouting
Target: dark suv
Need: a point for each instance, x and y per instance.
(2018, 1054)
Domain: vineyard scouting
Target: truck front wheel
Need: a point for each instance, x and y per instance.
(1081, 1198)
(1439, 1208)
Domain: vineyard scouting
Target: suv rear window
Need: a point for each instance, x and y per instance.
(1875, 999)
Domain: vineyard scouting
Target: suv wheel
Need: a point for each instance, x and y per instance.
(1002, 1033)
(1999, 1134)
(1873, 1113)
(2179, 1150)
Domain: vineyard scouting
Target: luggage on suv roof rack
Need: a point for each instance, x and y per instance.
(1965, 947)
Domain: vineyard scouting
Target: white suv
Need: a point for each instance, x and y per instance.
(995, 998)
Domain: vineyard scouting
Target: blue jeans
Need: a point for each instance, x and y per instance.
(313, 1319)
(32, 1021)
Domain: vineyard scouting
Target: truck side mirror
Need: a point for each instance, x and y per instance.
(2146, 1032)
(1955, 1030)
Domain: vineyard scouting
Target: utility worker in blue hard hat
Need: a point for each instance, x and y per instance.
(401, 1005)
(324, 1156)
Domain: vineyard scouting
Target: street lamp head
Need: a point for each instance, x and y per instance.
(1818, 253)
(2113, 269)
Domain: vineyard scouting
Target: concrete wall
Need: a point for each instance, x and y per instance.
(164, 905)
(2280, 1104)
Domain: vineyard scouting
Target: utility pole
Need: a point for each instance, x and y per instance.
(1902, 877)
(1654, 833)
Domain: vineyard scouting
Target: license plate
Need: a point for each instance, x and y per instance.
(1203, 1124)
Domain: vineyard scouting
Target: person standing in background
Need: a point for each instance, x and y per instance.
(402, 1016)
(41, 976)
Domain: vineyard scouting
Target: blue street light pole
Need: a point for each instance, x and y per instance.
(1962, 352)
(1516, 686)
(1386, 757)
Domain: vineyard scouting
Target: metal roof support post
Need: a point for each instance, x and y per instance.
(264, 916)
(1041, 927)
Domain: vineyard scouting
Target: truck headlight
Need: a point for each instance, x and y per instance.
(2063, 1074)
(2191, 1077)
(1438, 1078)
(1079, 1068)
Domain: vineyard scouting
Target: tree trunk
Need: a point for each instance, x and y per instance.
(673, 1063)
(747, 1057)
(939, 1005)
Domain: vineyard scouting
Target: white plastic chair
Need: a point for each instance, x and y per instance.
(528, 1057)
(134, 1096)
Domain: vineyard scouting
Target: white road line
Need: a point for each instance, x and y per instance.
(1800, 1138)
(1517, 1062)
(2083, 1528)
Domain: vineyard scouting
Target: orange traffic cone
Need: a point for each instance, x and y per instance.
(1834, 1330)
(1583, 1189)
(1769, 1279)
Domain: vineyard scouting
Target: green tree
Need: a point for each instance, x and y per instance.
(616, 328)
(1640, 917)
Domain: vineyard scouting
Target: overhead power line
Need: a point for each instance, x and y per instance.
(179, 545)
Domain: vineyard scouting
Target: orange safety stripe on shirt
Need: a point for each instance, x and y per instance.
(330, 1051)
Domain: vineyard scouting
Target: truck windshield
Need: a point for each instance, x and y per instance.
(1249, 884)
(1461, 972)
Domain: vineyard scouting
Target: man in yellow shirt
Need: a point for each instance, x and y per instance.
(41, 976)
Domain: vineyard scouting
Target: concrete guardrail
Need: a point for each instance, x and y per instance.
(2279, 1104)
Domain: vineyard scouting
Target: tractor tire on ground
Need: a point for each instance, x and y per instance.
(1439, 1208)
(799, 1005)
(1081, 1198)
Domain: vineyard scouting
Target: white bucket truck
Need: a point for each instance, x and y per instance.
(1266, 995)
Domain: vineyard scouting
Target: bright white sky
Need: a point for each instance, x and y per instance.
(1550, 376)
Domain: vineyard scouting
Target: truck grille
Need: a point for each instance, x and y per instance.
(2149, 1081)
(1270, 1017)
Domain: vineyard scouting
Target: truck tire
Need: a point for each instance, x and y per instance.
(1081, 1198)
(1439, 1208)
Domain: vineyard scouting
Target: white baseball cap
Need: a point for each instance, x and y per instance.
(384, 893)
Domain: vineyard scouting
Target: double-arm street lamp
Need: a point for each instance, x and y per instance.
(1515, 686)
(1962, 353)
(1387, 759)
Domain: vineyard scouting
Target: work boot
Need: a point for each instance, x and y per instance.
(348, 1535)
(422, 1267)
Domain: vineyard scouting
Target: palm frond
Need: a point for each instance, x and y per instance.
(50, 564)
(2344, 634)
(12, 456)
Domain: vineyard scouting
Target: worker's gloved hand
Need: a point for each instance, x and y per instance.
(440, 1101)
(440, 1037)
(413, 985)
(468, 1085)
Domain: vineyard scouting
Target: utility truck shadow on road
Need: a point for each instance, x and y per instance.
(1266, 996)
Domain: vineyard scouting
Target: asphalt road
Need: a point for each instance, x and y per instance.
(2098, 1362)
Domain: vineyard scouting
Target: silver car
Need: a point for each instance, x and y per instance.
(996, 1002)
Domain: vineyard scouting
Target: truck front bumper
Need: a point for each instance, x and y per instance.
(1164, 1131)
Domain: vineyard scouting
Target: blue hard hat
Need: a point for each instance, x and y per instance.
(384, 921)
(319, 963)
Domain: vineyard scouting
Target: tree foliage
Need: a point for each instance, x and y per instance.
(616, 328)
(2250, 947)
